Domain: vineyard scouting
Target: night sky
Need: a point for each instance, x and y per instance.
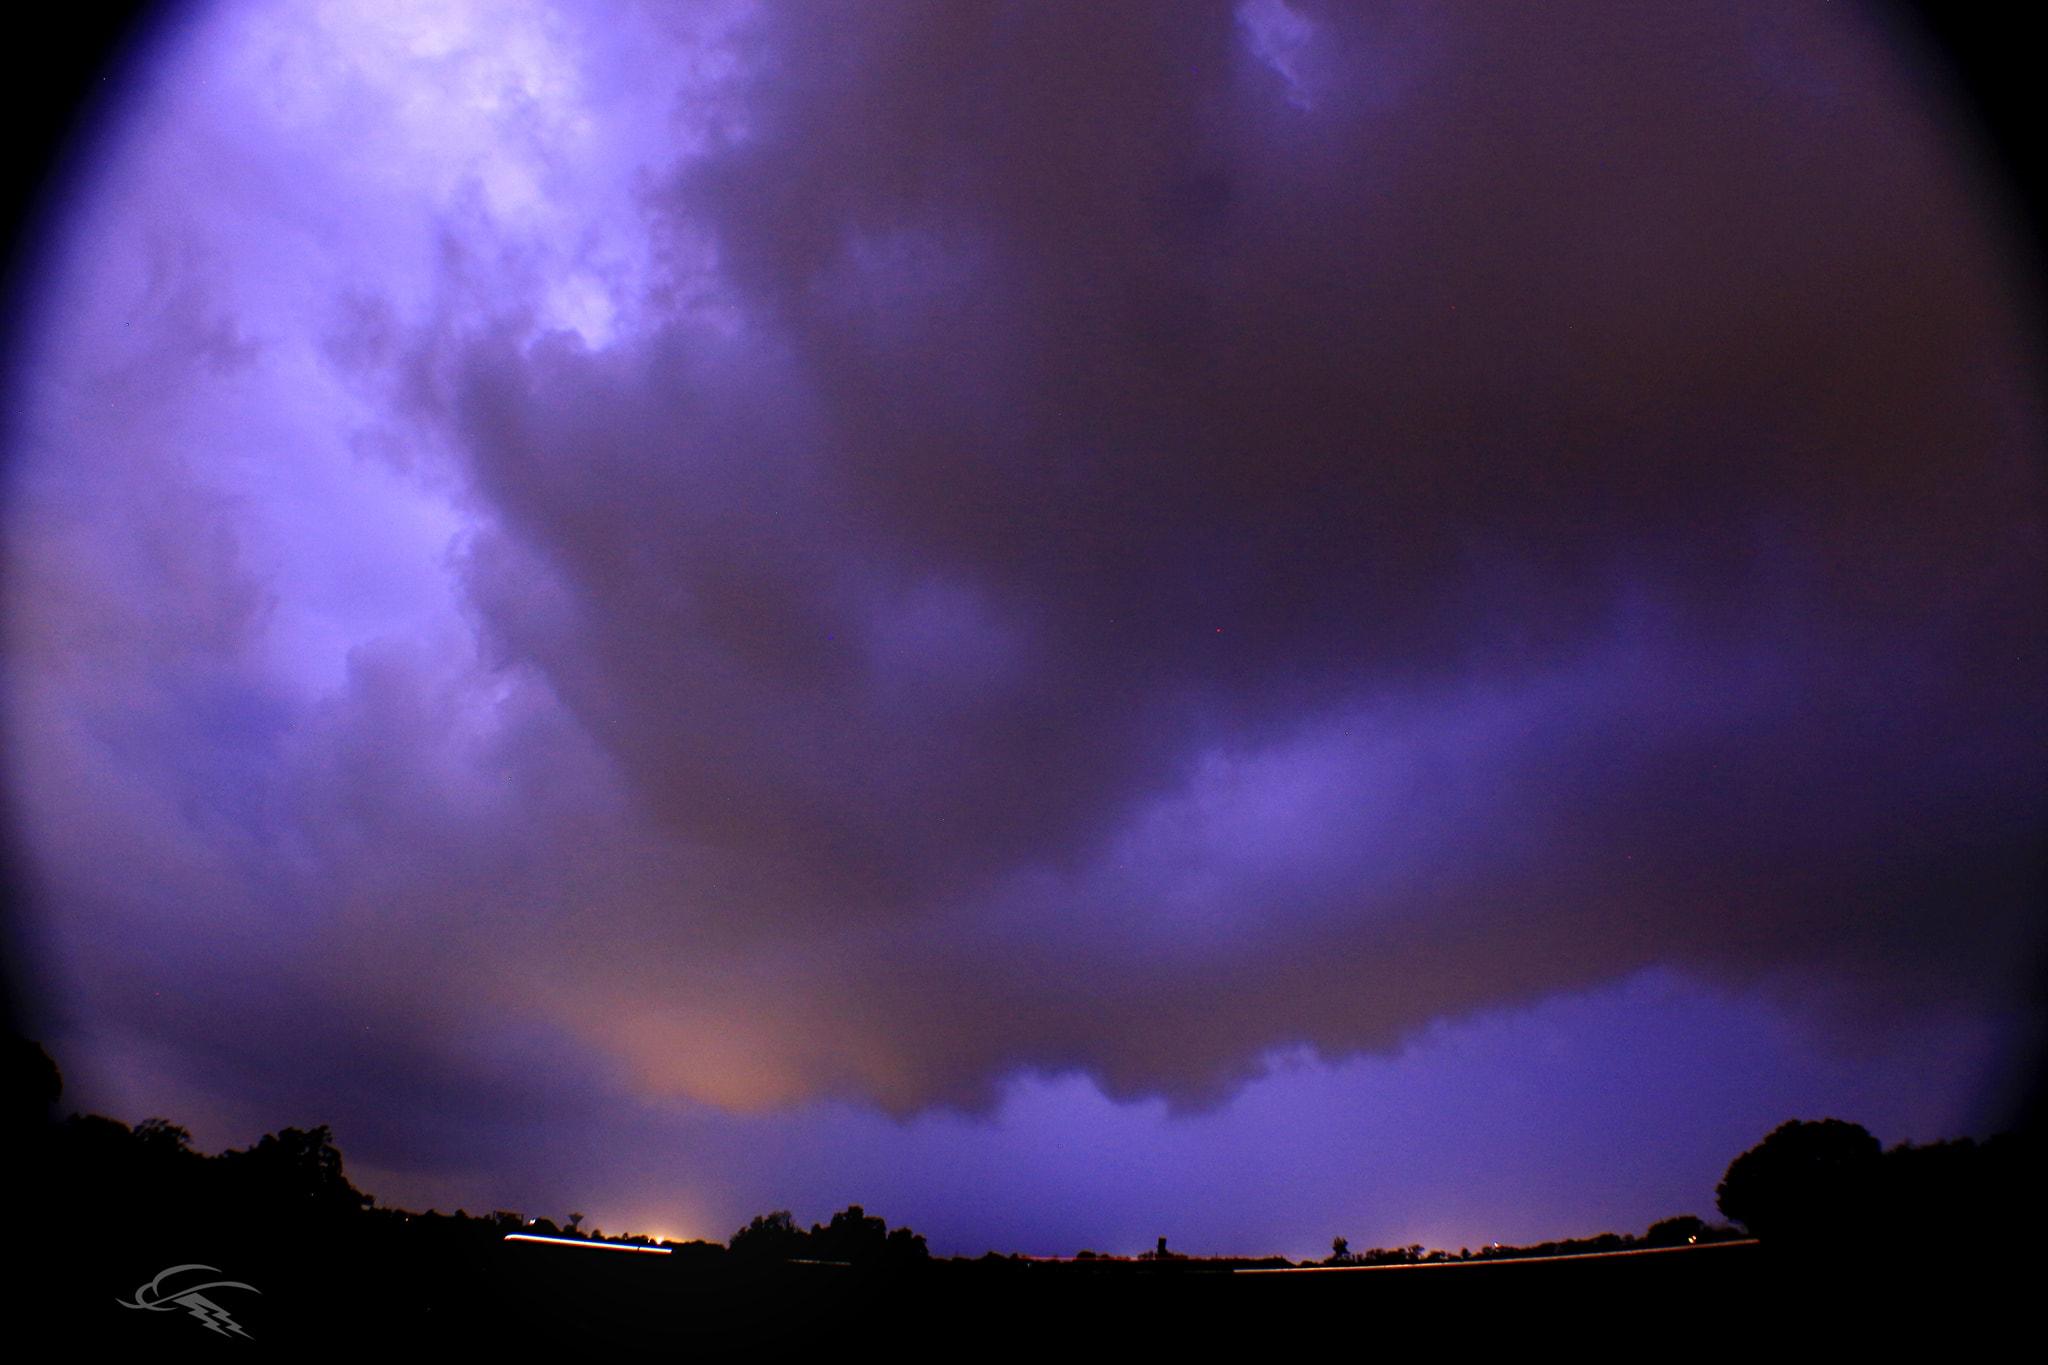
(1072, 622)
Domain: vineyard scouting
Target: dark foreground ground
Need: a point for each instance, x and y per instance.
(1730, 1300)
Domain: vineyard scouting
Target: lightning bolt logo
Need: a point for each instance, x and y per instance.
(211, 1315)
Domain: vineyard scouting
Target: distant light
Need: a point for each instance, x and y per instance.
(579, 1242)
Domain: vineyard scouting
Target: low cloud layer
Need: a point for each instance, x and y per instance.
(777, 554)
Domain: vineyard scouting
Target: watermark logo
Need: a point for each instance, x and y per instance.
(157, 1299)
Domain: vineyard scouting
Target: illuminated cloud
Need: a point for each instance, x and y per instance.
(758, 558)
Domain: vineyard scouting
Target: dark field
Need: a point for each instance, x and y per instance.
(508, 1297)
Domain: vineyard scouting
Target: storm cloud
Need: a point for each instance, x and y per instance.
(772, 555)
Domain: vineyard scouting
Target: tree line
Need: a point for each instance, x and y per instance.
(1826, 1185)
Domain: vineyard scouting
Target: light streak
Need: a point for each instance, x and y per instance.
(1490, 1260)
(580, 1242)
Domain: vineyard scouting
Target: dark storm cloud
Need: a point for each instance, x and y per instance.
(572, 572)
(1199, 530)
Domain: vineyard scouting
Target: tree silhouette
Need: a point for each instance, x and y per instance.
(905, 1247)
(296, 1171)
(852, 1236)
(162, 1136)
(773, 1237)
(1806, 1183)
(32, 1082)
(1672, 1232)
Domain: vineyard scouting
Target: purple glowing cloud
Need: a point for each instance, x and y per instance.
(941, 579)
